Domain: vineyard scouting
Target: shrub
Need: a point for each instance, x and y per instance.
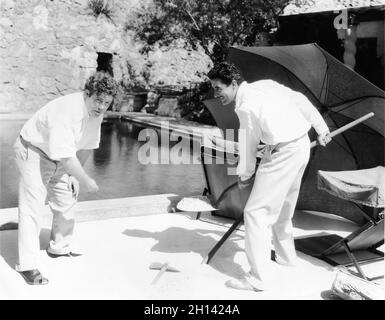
(99, 7)
(191, 105)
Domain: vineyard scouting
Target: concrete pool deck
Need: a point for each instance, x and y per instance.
(120, 238)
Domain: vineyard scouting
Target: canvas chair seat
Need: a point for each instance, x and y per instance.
(366, 187)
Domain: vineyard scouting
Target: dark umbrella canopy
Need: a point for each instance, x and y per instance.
(341, 95)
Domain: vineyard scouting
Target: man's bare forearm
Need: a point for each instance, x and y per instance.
(83, 155)
(73, 167)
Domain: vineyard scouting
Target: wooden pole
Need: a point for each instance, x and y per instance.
(345, 127)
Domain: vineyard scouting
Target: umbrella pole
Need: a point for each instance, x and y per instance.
(346, 127)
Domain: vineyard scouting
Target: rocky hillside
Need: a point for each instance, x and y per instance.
(49, 47)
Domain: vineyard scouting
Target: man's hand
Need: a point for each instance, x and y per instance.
(73, 185)
(324, 139)
(91, 185)
(243, 184)
(73, 167)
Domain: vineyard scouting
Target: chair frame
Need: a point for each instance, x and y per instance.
(347, 249)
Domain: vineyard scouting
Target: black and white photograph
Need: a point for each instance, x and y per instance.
(192, 155)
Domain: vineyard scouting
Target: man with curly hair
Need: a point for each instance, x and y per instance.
(280, 117)
(50, 152)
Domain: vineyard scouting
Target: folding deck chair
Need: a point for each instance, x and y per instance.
(218, 163)
(366, 189)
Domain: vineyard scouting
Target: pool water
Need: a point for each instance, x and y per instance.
(114, 166)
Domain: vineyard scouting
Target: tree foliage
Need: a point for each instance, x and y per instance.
(99, 7)
(214, 25)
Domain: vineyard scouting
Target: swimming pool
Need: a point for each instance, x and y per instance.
(114, 166)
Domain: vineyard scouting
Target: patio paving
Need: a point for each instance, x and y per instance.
(118, 250)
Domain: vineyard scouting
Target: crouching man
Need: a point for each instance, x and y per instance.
(50, 152)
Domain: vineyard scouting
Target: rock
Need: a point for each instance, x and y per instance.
(64, 75)
(40, 17)
(89, 60)
(52, 57)
(167, 107)
(6, 75)
(19, 12)
(48, 68)
(10, 102)
(79, 57)
(132, 102)
(65, 41)
(47, 82)
(20, 49)
(115, 46)
(23, 83)
(6, 22)
(91, 41)
(6, 5)
(63, 33)
(10, 38)
(62, 86)
(185, 67)
(42, 45)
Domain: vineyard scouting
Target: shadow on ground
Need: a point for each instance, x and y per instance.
(9, 247)
(308, 221)
(200, 241)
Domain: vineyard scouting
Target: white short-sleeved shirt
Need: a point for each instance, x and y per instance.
(272, 113)
(62, 127)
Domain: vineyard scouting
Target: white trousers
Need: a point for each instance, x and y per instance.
(269, 210)
(41, 179)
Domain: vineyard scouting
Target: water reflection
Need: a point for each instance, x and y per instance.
(114, 166)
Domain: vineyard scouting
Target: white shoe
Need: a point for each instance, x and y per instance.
(247, 283)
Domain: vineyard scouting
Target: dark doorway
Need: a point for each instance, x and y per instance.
(367, 63)
(105, 62)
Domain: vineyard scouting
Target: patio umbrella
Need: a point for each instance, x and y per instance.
(341, 95)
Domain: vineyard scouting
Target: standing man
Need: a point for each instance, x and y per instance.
(280, 118)
(50, 151)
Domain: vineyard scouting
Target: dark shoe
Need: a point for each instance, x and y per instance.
(33, 277)
(282, 262)
(9, 226)
(70, 254)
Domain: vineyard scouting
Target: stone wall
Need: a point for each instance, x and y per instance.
(49, 47)
(177, 66)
